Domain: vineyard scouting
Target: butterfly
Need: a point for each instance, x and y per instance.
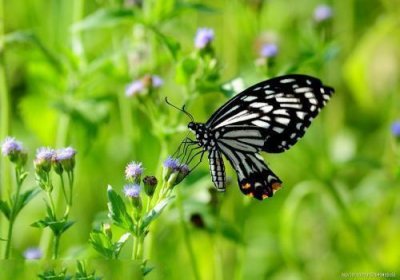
(270, 116)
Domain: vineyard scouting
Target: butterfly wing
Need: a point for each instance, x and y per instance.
(279, 109)
(217, 169)
(254, 177)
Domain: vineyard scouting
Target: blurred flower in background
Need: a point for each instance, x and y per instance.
(43, 159)
(269, 50)
(14, 150)
(204, 37)
(32, 253)
(140, 86)
(132, 190)
(396, 128)
(322, 13)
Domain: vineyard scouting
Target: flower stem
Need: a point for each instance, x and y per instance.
(186, 235)
(13, 213)
(4, 121)
(56, 245)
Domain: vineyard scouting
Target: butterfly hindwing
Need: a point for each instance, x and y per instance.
(254, 177)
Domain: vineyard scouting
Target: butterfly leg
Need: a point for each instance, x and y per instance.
(182, 148)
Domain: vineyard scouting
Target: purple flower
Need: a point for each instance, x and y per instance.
(132, 190)
(64, 159)
(171, 163)
(32, 253)
(45, 153)
(65, 154)
(156, 81)
(133, 170)
(269, 50)
(11, 146)
(183, 172)
(146, 82)
(204, 37)
(396, 128)
(322, 12)
(134, 88)
(44, 156)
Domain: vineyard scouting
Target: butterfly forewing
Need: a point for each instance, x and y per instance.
(281, 109)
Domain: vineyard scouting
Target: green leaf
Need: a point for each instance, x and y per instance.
(102, 244)
(24, 199)
(185, 69)
(110, 17)
(155, 212)
(117, 211)
(198, 7)
(120, 243)
(5, 209)
(57, 227)
(172, 45)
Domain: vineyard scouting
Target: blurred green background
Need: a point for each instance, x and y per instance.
(66, 63)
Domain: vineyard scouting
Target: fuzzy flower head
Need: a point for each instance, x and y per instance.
(14, 150)
(133, 171)
(396, 129)
(204, 37)
(142, 85)
(64, 159)
(268, 50)
(322, 13)
(32, 253)
(132, 190)
(43, 159)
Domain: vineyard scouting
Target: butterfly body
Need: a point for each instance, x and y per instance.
(270, 116)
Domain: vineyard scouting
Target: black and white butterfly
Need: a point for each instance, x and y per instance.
(270, 116)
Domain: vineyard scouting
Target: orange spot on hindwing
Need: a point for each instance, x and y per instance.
(246, 186)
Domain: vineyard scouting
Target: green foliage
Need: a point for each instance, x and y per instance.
(64, 67)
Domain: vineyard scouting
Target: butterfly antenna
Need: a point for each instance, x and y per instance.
(182, 110)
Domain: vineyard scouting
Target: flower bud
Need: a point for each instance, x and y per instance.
(182, 173)
(64, 160)
(106, 228)
(43, 159)
(150, 184)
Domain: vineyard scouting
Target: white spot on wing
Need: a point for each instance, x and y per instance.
(285, 81)
(243, 133)
(302, 89)
(250, 98)
(284, 121)
(266, 109)
(261, 123)
(292, 105)
(281, 112)
(277, 129)
(258, 104)
(301, 115)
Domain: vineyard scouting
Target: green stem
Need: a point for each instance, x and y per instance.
(9, 237)
(186, 235)
(13, 214)
(4, 122)
(56, 246)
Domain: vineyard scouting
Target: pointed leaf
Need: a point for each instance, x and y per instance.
(5, 209)
(24, 199)
(105, 18)
(117, 210)
(155, 212)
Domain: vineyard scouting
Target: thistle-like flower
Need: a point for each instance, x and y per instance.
(133, 171)
(14, 150)
(132, 191)
(43, 159)
(171, 165)
(182, 173)
(204, 38)
(64, 159)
